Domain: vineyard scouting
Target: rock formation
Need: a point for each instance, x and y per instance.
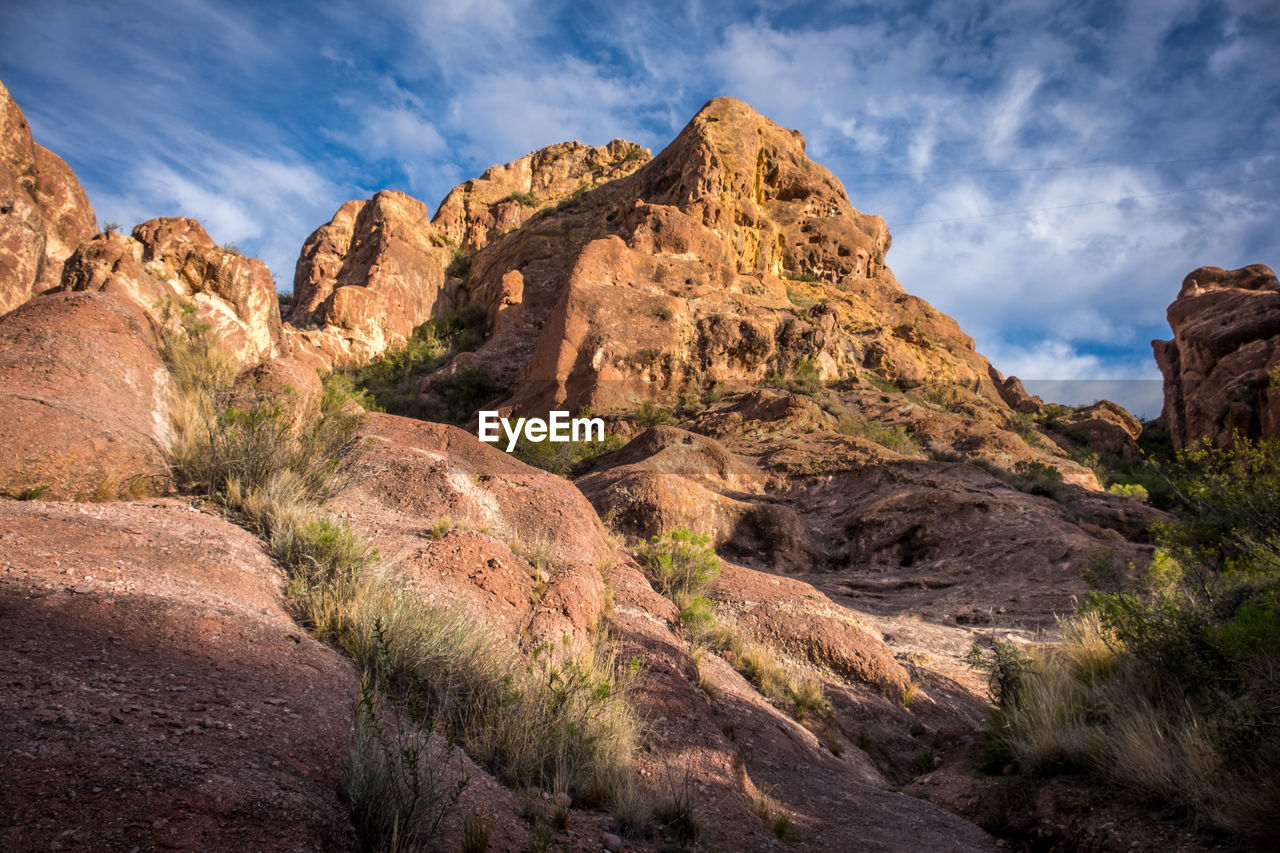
(44, 213)
(85, 400)
(171, 266)
(1222, 368)
(861, 546)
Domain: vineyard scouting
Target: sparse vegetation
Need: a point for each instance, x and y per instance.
(800, 300)
(1167, 681)
(391, 381)
(550, 721)
(895, 438)
(650, 414)
(526, 199)
(802, 378)
(460, 264)
(566, 458)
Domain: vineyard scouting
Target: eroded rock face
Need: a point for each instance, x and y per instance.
(727, 257)
(501, 199)
(44, 213)
(1220, 370)
(85, 400)
(367, 277)
(171, 262)
(157, 694)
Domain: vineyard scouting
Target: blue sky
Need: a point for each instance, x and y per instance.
(260, 119)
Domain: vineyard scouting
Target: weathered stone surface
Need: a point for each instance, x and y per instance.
(157, 695)
(1221, 374)
(85, 400)
(171, 262)
(474, 213)
(727, 257)
(370, 275)
(44, 213)
(1107, 427)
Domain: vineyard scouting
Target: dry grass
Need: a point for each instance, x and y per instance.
(553, 721)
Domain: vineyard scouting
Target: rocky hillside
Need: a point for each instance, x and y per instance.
(877, 495)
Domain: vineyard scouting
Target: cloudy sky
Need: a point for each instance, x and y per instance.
(1050, 171)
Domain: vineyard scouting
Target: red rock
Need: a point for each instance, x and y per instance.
(172, 262)
(86, 400)
(44, 213)
(1220, 368)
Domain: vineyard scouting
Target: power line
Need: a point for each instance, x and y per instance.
(1243, 157)
(1088, 203)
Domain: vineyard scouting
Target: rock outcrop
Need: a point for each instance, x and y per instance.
(157, 694)
(504, 197)
(728, 257)
(367, 277)
(171, 266)
(44, 213)
(1222, 368)
(85, 400)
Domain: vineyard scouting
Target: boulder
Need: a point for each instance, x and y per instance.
(157, 693)
(174, 271)
(85, 400)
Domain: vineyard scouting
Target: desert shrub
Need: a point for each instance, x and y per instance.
(1168, 682)
(391, 381)
(802, 378)
(649, 415)
(1134, 491)
(800, 300)
(887, 386)
(566, 458)
(1052, 414)
(895, 438)
(682, 564)
(459, 264)
(527, 199)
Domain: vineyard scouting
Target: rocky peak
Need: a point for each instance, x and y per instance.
(504, 197)
(44, 213)
(728, 257)
(1221, 368)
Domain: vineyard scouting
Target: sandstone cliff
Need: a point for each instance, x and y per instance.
(1222, 368)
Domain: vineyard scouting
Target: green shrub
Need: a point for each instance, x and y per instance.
(460, 264)
(800, 300)
(527, 199)
(566, 458)
(391, 381)
(1133, 491)
(803, 378)
(1167, 682)
(682, 564)
(650, 415)
(895, 438)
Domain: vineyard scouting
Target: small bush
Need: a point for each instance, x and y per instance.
(800, 300)
(526, 199)
(651, 415)
(682, 564)
(1133, 491)
(566, 458)
(459, 265)
(803, 378)
(895, 438)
